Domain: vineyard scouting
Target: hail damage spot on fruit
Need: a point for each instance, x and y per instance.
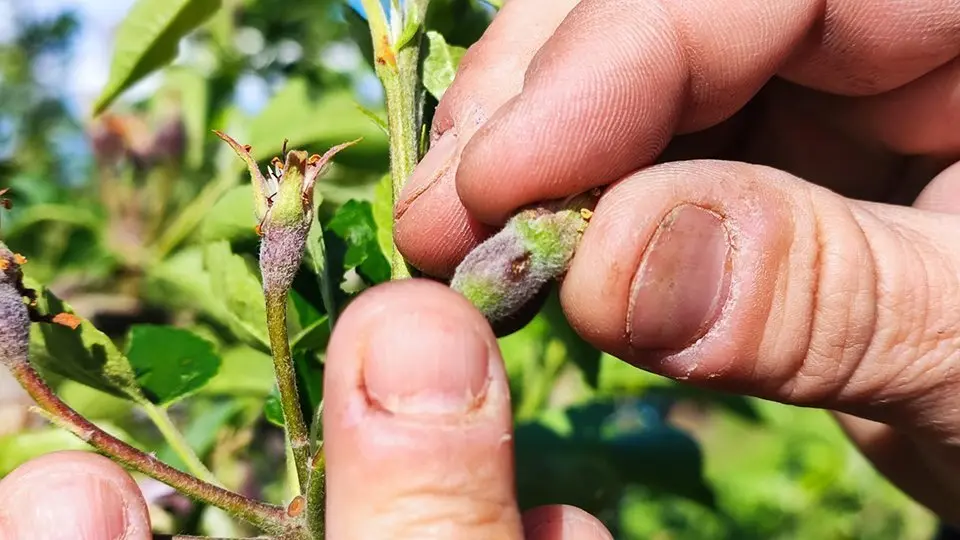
(535, 246)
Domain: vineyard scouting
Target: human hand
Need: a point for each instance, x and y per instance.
(789, 270)
(418, 440)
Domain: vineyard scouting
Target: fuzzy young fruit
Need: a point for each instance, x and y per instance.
(14, 315)
(283, 201)
(505, 272)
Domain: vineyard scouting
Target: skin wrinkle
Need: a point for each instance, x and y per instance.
(828, 355)
(429, 513)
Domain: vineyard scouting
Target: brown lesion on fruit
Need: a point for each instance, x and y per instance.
(518, 267)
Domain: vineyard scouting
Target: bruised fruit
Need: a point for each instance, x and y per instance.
(509, 269)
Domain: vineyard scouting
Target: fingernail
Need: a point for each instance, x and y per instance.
(74, 506)
(437, 163)
(426, 363)
(682, 281)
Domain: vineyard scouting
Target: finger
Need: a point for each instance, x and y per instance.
(561, 522)
(433, 230)
(912, 465)
(918, 118)
(74, 495)
(744, 278)
(915, 468)
(417, 420)
(585, 119)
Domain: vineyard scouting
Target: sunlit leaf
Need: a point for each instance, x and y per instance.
(234, 282)
(149, 38)
(383, 215)
(315, 123)
(244, 371)
(19, 448)
(440, 65)
(231, 218)
(84, 354)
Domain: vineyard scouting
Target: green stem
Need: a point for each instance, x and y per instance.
(179, 445)
(400, 77)
(293, 420)
(268, 518)
(316, 495)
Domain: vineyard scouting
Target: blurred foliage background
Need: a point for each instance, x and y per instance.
(141, 220)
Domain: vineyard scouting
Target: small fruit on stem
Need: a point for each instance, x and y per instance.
(508, 270)
(283, 203)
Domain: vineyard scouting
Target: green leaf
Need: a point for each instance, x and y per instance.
(272, 409)
(234, 282)
(84, 354)
(244, 371)
(148, 38)
(440, 65)
(379, 121)
(383, 215)
(589, 455)
(202, 431)
(19, 448)
(312, 338)
(578, 351)
(171, 363)
(354, 223)
(231, 217)
(316, 123)
(193, 95)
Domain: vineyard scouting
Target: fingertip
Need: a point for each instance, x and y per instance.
(81, 494)
(417, 419)
(562, 522)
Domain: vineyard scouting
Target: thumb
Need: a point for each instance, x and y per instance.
(746, 279)
(417, 420)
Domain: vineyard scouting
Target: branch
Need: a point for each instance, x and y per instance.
(268, 518)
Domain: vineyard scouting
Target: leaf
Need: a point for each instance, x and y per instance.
(383, 215)
(440, 65)
(589, 455)
(170, 363)
(354, 223)
(312, 338)
(375, 118)
(272, 409)
(190, 88)
(84, 354)
(19, 448)
(231, 217)
(578, 351)
(148, 38)
(316, 123)
(202, 432)
(239, 290)
(244, 371)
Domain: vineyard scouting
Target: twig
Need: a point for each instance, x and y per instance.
(293, 420)
(268, 518)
